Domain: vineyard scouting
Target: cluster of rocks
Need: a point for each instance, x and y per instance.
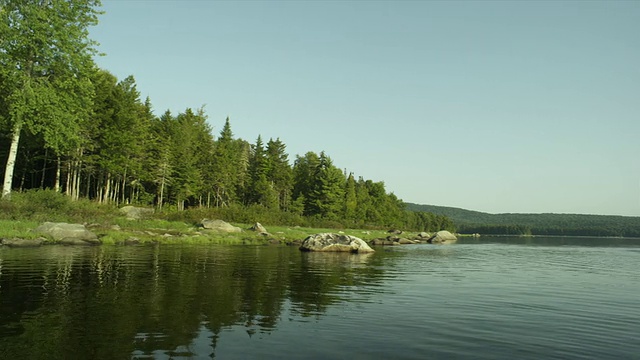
(328, 242)
(441, 237)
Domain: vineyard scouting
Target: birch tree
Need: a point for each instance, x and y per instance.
(45, 51)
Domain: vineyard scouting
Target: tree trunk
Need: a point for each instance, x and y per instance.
(124, 186)
(11, 161)
(22, 179)
(88, 186)
(105, 197)
(44, 167)
(76, 191)
(116, 191)
(161, 194)
(67, 185)
(57, 184)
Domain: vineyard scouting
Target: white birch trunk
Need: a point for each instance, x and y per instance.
(105, 197)
(161, 194)
(11, 161)
(57, 183)
(67, 185)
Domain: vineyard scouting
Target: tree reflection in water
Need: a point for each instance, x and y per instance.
(143, 302)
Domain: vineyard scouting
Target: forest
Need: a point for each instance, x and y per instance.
(71, 127)
(470, 222)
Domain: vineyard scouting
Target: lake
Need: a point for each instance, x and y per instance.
(486, 298)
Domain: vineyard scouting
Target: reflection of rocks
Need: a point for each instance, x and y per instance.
(219, 225)
(68, 234)
(78, 242)
(15, 242)
(328, 242)
(443, 237)
(336, 259)
(132, 241)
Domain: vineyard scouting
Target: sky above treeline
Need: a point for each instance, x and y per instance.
(494, 106)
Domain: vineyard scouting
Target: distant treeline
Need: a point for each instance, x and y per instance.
(467, 221)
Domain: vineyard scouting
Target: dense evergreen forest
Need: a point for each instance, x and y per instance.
(470, 222)
(67, 125)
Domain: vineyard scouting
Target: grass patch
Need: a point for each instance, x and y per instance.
(25, 211)
(18, 229)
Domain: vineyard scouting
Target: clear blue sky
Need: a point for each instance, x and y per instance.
(490, 106)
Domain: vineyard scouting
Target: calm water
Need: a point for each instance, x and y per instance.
(493, 298)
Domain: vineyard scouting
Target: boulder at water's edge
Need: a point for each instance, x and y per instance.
(442, 237)
(68, 234)
(329, 242)
(219, 225)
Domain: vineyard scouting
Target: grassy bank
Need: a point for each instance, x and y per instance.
(25, 211)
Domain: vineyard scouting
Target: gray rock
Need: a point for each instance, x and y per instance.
(257, 227)
(67, 232)
(136, 213)
(424, 235)
(219, 225)
(334, 242)
(382, 242)
(15, 242)
(443, 237)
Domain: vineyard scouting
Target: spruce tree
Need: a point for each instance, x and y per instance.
(279, 172)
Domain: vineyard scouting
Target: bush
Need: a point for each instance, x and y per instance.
(48, 205)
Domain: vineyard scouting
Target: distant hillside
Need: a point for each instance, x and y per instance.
(468, 221)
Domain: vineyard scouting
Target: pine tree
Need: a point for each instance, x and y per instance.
(350, 198)
(304, 169)
(279, 172)
(326, 196)
(226, 167)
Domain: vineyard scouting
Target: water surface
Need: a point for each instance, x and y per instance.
(487, 298)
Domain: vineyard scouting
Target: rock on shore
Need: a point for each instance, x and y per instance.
(329, 242)
(68, 234)
(219, 225)
(442, 237)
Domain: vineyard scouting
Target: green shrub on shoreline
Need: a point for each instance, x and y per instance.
(25, 211)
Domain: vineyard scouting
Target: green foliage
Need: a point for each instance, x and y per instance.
(46, 57)
(48, 205)
(21, 229)
(279, 172)
(326, 190)
(91, 138)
